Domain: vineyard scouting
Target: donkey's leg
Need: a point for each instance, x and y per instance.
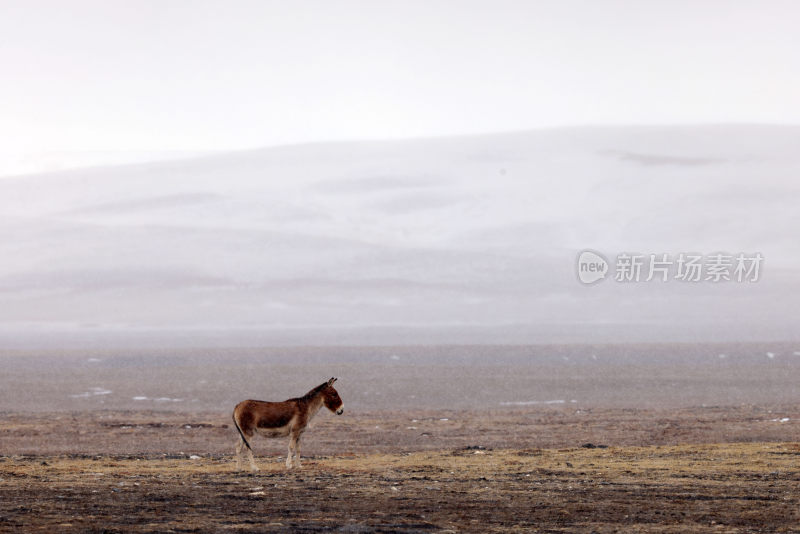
(297, 453)
(290, 452)
(253, 466)
(239, 446)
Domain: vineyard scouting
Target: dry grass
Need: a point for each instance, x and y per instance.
(741, 487)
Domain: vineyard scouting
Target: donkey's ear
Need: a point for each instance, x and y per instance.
(331, 381)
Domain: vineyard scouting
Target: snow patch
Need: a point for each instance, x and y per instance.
(92, 392)
(531, 403)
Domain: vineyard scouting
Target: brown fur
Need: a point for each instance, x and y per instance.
(280, 419)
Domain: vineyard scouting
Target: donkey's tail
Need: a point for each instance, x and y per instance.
(236, 424)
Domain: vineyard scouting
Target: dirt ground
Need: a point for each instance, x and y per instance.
(606, 438)
(711, 488)
(541, 468)
(363, 432)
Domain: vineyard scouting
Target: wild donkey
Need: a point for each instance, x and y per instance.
(280, 419)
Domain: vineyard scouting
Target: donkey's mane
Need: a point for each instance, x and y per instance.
(315, 391)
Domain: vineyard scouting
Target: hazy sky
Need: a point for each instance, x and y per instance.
(192, 75)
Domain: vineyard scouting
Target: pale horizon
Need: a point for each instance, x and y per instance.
(71, 160)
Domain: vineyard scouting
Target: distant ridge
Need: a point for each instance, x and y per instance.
(463, 234)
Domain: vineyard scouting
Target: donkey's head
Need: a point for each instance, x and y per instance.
(331, 398)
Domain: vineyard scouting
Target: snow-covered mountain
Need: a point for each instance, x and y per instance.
(463, 234)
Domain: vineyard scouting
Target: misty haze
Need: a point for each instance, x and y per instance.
(461, 239)
(424, 266)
